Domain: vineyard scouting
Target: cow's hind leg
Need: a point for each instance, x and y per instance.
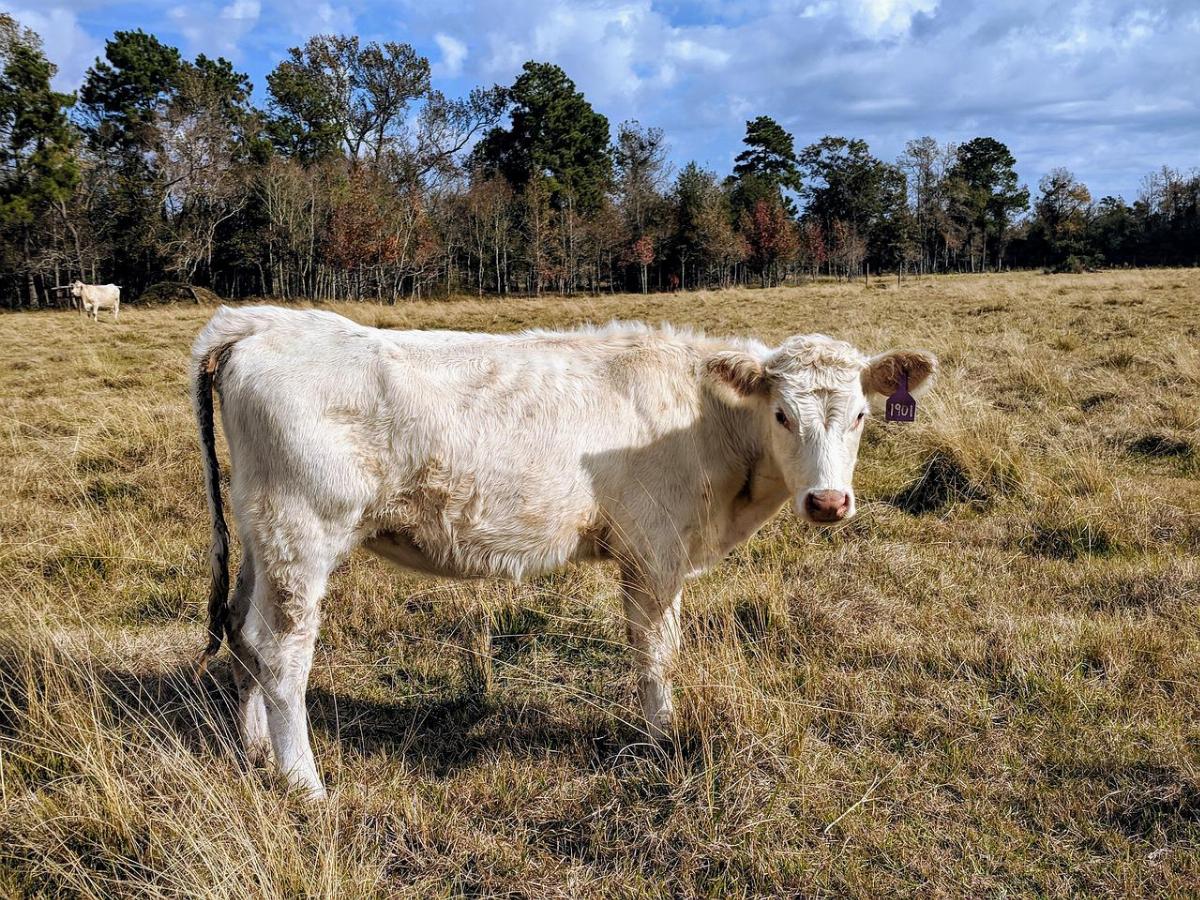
(251, 706)
(652, 621)
(281, 627)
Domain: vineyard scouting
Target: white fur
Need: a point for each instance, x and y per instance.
(473, 456)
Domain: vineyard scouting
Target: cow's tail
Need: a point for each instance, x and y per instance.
(209, 352)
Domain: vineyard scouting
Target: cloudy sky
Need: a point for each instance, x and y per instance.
(1107, 88)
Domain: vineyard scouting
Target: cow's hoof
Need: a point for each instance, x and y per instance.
(305, 782)
(316, 795)
(309, 792)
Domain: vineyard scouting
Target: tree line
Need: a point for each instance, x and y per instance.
(359, 179)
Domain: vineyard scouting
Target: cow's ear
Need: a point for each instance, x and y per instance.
(736, 374)
(881, 377)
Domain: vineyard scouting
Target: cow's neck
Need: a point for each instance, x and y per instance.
(760, 490)
(763, 490)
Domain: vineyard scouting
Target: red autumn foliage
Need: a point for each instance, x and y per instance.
(371, 225)
(812, 248)
(771, 236)
(642, 251)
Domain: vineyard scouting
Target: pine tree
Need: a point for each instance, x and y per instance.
(554, 135)
(124, 93)
(769, 156)
(986, 194)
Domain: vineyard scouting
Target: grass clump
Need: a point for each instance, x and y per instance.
(1068, 540)
(177, 292)
(1098, 399)
(943, 479)
(1159, 445)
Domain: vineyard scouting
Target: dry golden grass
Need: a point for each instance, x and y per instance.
(985, 684)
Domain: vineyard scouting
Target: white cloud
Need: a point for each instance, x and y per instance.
(690, 51)
(885, 18)
(871, 18)
(242, 10)
(216, 32)
(298, 20)
(818, 10)
(334, 18)
(454, 52)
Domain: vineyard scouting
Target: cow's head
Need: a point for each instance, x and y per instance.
(812, 396)
(76, 289)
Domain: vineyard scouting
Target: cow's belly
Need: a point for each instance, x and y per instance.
(513, 557)
(463, 524)
(469, 560)
(399, 549)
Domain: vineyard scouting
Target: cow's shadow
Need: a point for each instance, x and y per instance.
(435, 736)
(441, 735)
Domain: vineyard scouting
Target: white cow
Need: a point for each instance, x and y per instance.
(95, 297)
(478, 456)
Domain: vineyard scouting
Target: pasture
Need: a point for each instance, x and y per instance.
(986, 683)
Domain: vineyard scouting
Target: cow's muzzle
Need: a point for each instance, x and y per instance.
(826, 506)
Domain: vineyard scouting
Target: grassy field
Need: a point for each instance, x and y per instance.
(988, 683)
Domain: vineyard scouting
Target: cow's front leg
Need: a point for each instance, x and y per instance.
(652, 620)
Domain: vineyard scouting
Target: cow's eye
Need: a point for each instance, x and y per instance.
(861, 416)
(782, 418)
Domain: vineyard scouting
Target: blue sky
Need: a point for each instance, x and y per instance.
(1106, 88)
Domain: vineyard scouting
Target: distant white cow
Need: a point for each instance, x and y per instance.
(95, 297)
(477, 456)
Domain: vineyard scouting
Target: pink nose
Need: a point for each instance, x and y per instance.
(826, 506)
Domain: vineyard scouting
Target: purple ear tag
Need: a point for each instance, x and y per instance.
(901, 407)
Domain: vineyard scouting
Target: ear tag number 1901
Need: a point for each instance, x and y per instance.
(901, 407)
